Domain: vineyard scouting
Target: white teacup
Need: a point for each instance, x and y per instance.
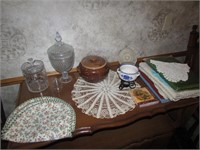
(128, 72)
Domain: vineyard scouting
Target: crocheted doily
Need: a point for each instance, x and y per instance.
(127, 55)
(102, 99)
(172, 71)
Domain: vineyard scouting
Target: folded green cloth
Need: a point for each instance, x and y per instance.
(191, 83)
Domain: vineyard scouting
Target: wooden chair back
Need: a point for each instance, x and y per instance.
(192, 56)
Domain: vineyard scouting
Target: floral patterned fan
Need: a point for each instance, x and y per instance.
(40, 119)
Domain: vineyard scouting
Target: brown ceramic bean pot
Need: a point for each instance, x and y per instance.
(93, 68)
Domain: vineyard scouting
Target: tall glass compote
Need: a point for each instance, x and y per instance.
(61, 56)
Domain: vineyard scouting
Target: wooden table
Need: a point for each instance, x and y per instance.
(149, 127)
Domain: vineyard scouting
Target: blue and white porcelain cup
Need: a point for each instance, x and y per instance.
(128, 72)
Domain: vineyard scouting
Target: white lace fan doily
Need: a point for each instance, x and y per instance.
(102, 99)
(172, 71)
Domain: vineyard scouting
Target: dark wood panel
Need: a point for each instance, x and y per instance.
(128, 136)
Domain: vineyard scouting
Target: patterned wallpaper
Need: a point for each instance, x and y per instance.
(102, 27)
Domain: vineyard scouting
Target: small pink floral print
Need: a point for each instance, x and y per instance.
(39, 120)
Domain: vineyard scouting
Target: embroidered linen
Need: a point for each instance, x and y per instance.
(172, 71)
(164, 88)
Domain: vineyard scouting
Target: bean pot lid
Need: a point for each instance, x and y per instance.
(93, 62)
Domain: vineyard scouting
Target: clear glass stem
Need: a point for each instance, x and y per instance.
(65, 75)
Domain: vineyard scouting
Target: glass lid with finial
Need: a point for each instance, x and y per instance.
(61, 56)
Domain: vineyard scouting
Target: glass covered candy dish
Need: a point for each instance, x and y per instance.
(35, 75)
(61, 56)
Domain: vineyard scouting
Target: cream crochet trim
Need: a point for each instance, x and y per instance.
(172, 71)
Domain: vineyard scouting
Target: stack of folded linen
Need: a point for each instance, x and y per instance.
(169, 79)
